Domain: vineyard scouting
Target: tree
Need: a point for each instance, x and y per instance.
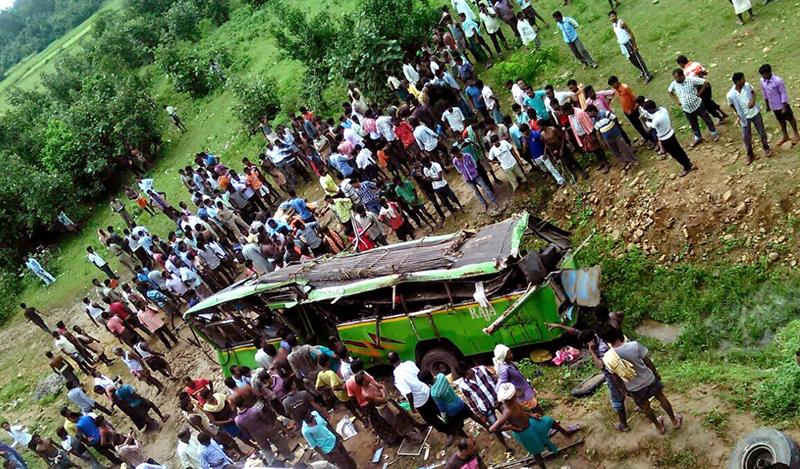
(307, 40)
(183, 21)
(256, 98)
(188, 67)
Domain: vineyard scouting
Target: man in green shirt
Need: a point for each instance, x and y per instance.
(408, 193)
(343, 210)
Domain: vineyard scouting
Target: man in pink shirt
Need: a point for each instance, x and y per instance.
(601, 100)
(150, 317)
(583, 128)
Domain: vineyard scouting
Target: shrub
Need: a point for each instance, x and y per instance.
(255, 97)
(530, 67)
(183, 20)
(189, 67)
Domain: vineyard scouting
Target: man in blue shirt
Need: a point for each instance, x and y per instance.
(533, 147)
(569, 33)
(318, 436)
(212, 456)
(476, 99)
(299, 206)
(535, 101)
(465, 70)
(341, 163)
(89, 427)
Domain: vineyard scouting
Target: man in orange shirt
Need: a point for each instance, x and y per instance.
(627, 100)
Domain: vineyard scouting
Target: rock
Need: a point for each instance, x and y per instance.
(685, 233)
(773, 256)
(728, 237)
(634, 182)
(48, 386)
(615, 235)
(781, 240)
(727, 196)
(638, 234)
(765, 50)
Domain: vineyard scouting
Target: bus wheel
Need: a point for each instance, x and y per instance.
(440, 360)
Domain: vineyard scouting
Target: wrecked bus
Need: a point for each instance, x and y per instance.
(434, 300)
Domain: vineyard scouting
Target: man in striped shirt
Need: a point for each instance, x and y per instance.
(477, 385)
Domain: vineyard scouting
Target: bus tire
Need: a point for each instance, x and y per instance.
(765, 447)
(440, 359)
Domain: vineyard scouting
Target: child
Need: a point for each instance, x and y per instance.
(527, 33)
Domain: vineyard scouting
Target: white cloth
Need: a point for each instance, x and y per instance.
(406, 382)
(506, 392)
(19, 435)
(433, 172)
(454, 118)
(518, 94)
(526, 32)
(263, 360)
(488, 97)
(741, 6)
(659, 121)
(410, 73)
(461, 6)
(426, 138)
(500, 352)
(364, 158)
(503, 154)
(95, 259)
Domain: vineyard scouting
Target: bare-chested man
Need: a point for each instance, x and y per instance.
(557, 148)
(530, 430)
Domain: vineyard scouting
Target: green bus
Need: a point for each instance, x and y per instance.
(434, 300)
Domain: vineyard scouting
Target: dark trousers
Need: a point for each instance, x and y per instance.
(494, 36)
(569, 160)
(633, 118)
(676, 151)
(405, 232)
(636, 59)
(432, 197)
(747, 134)
(109, 273)
(695, 125)
(430, 414)
(105, 451)
(164, 334)
(339, 457)
(445, 196)
(711, 106)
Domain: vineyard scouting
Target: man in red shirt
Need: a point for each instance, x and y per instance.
(192, 387)
(118, 329)
(392, 215)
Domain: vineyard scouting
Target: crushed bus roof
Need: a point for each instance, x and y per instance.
(456, 255)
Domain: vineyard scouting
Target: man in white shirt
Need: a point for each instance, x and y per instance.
(433, 171)
(517, 91)
(742, 98)
(189, 450)
(506, 155)
(658, 119)
(492, 104)
(366, 163)
(18, 433)
(410, 72)
(454, 118)
(99, 262)
(417, 393)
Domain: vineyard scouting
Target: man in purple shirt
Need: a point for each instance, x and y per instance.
(259, 423)
(467, 167)
(778, 101)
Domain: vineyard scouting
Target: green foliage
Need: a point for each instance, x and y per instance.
(121, 41)
(307, 40)
(10, 286)
(29, 26)
(532, 68)
(715, 421)
(778, 393)
(218, 11)
(188, 66)
(182, 20)
(256, 97)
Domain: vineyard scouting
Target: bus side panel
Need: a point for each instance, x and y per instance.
(240, 356)
(462, 325)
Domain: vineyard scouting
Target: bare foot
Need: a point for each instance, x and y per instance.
(781, 141)
(660, 426)
(677, 421)
(621, 427)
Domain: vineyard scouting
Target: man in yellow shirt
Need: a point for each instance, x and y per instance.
(329, 379)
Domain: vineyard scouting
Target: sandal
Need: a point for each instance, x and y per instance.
(622, 428)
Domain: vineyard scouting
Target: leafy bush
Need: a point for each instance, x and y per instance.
(183, 20)
(530, 67)
(189, 69)
(218, 11)
(256, 97)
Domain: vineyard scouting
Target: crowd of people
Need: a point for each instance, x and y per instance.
(383, 169)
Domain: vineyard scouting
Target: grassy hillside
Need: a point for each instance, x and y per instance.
(27, 73)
